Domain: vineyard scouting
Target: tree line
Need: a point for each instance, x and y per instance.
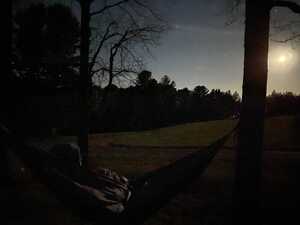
(150, 104)
(286, 103)
(45, 62)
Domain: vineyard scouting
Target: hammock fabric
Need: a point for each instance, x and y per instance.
(149, 192)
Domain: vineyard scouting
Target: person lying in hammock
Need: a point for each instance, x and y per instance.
(107, 197)
(116, 189)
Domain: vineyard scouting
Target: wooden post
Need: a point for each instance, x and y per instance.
(84, 81)
(247, 193)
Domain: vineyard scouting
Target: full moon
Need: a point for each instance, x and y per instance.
(282, 60)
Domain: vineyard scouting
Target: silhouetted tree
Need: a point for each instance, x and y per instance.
(119, 45)
(283, 104)
(286, 31)
(167, 101)
(45, 44)
(251, 126)
(85, 80)
(151, 104)
(200, 91)
(183, 105)
(143, 79)
(43, 62)
(5, 102)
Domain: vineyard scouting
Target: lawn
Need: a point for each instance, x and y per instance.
(208, 199)
(281, 133)
(190, 134)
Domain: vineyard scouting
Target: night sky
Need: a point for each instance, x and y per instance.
(201, 49)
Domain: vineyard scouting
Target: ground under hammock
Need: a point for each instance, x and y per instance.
(149, 192)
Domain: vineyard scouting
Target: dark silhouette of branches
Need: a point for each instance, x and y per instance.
(287, 4)
(106, 36)
(121, 53)
(118, 32)
(288, 26)
(120, 42)
(290, 38)
(234, 6)
(108, 7)
(44, 49)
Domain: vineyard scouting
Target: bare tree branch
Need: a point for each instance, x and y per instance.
(291, 5)
(287, 27)
(293, 37)
(133, 30)
(107, 7)
(146, 7)
(106, 36)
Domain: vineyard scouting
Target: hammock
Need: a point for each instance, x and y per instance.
(150, 192)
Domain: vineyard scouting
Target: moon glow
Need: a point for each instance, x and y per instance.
(282, 60)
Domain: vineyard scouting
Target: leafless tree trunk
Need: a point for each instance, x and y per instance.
(5, 101)
(86, 67)
(250, 137)
(85, 81)
(247, 195)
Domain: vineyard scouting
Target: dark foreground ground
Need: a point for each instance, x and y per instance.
(207, 201)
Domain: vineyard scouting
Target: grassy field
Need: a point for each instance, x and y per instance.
(136, 161)
(190, 134)
(279, 131)
(208, 199)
